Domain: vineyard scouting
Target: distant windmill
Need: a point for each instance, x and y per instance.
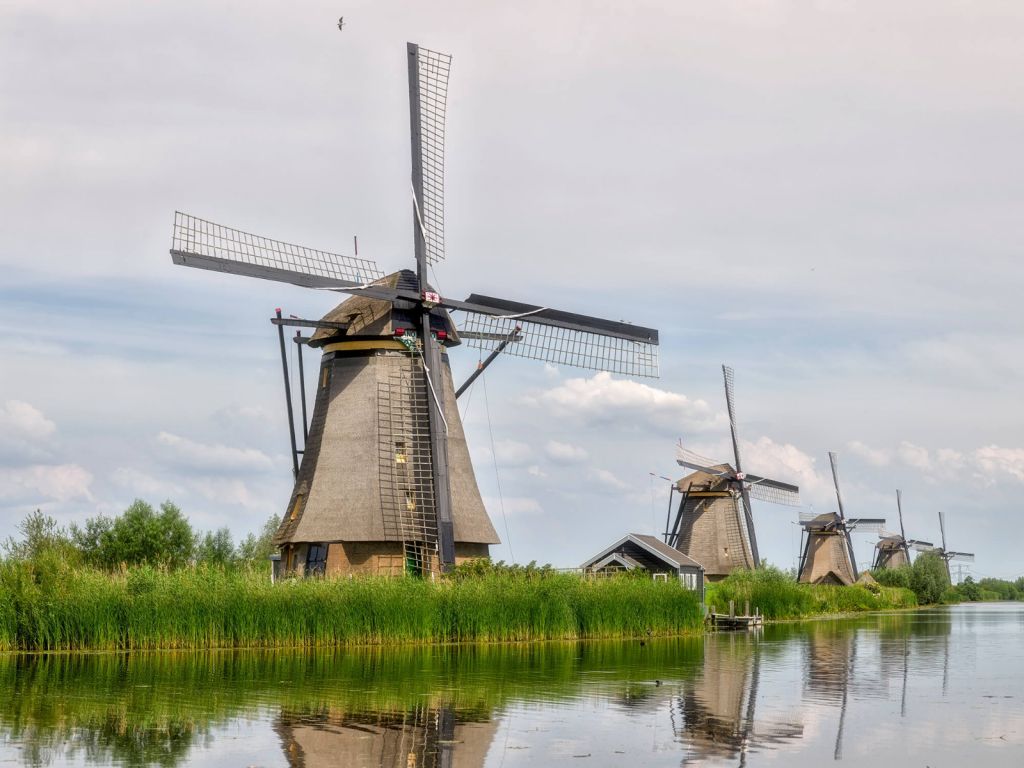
(828, 549)
(714, 524)
(945, 553)
(893, 550)
(386, 484)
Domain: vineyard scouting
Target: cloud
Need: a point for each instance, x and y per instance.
(25, 420)
(534, 471)
(604, 400)
(564, 453)
(873, 456)
(513, 506)
(142, 484)
(914, 455)
(606, 479)
(63, 482)
(212, 458)
(788, 464)
(993, 461)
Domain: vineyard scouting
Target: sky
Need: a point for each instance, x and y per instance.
(826, 196)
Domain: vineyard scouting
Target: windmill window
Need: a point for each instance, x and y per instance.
(316, 560)
(295, 507)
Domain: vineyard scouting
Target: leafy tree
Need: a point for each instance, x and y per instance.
(929, 579)
(969, 590)
(894, 577)
(40, 535)
(254, 549)
(215, 548)
(93, 541)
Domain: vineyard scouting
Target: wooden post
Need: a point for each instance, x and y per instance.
(732, 610)
(746, 608)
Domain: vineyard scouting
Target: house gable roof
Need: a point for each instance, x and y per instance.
(653, 546)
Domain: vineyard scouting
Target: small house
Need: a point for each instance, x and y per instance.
(647, 553)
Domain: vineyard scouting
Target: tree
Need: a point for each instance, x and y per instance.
(94, 541)
(929, 579)
(255, 549)
(215, 548)
(40, 534)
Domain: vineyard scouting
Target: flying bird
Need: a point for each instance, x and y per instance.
(341, 22)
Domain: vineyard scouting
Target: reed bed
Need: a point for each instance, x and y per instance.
(206, 607)
(777, 596)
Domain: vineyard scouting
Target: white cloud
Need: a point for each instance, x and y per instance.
(606, 479)
(512, 453)
(603, 399)
(788, 464)
(914, 455)
(227, 491)
(142, 484)
(564, 453)
(873, 456)
(25, 420)
(994, 461)
(215, 457)
(515, 506)
(534, 471)
(63, 482)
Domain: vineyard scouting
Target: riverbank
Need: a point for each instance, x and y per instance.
(777, 597)
(205, 607)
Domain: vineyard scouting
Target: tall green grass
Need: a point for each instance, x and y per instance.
(777, 596)
(48, 607)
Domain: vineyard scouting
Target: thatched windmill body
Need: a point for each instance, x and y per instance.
(827, 552)
(713, 523)
(892, 550)
(385, 483)
(946, 554)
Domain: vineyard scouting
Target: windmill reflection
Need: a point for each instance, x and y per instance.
(718, 708)
(430, 736)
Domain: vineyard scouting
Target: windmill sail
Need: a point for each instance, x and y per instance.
(428, 96)
(562, 338)
(205, 245)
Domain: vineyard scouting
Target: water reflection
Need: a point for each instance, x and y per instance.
(817, 691)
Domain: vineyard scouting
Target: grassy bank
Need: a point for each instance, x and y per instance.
(55, 608)
(777, 596)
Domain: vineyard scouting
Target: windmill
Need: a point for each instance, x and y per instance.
(828, 549)
(892, 550)
(945, 553)
(385, 483)
(713, 523)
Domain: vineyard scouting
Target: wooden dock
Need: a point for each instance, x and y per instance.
(734, 621)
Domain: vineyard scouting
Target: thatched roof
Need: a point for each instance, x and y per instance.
(375, 317)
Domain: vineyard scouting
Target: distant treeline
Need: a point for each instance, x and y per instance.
(141, 535)
(929, 580)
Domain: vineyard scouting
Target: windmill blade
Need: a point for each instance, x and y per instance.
(920, 546)
(690, 460)
(763, 489)
(563, 338)
(964, 556)
(205, 245)
(428, 96)
(866, 523)
(833, 459)
(942, 529)
(899, 508)
(730, 403)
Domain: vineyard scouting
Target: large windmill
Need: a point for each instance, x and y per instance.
(385, 482)
(892, 550)
(713, 523)
(947, 554)
(828, 549)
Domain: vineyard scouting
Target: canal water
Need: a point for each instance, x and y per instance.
(942, 687)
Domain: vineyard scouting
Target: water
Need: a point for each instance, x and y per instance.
(938, 687)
